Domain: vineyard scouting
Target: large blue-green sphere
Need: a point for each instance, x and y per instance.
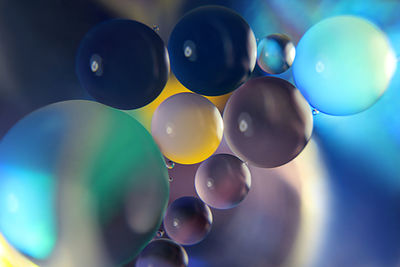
(343, 65)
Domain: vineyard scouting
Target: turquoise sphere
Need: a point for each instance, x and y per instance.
(343, 65)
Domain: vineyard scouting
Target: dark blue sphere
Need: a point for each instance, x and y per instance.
(123, 64)
(212, 50)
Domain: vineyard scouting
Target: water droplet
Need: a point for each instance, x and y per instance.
(170, 179)
(160, 233)
(169, 164)
(156, 28)
(315, 112)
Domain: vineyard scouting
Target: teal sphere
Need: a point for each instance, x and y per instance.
(343, 65)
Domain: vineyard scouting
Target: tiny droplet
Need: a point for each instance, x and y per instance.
(169, 164)
(315, 112)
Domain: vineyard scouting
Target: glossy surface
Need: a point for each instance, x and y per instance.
(188, 220)
(343, 65)
(123, 64)
(187, 127)
(267, 122)
(212, 50)
(276, 53)
(222, 181)
(163, 253)
(79, 179)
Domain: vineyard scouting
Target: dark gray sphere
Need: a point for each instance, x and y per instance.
(267, 122)
(222, 181)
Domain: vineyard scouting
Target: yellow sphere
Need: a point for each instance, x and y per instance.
(187, 127)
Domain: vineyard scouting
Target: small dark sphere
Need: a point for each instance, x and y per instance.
(188, 220)
(163, 252)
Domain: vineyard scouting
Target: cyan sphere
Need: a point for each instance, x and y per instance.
(276, 53)
(343, 65)
(212, 50)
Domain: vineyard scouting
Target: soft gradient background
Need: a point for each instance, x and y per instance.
(338, 204)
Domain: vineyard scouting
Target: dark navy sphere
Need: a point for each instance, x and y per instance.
(123, 64)
(212, 50)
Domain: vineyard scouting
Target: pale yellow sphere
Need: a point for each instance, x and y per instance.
(187, 127)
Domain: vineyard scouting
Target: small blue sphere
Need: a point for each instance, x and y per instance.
(212, 50)
(276, 53)
(123, 64)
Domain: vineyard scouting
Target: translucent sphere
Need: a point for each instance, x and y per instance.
(123, 64)
(276, 53)
(213, 50)
(163, 253)
(267, 122)
(343, 65)
(187, 127)
(222, 181)
(81, 183)
(188, 220)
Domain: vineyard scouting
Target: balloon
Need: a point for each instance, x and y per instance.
(80, 181)
(222, 181)
(267, 122)
(188, 220)
(163, 253)
(276, 53)
(343, 65)
(212, 50)
(187, 127)
(123, 64)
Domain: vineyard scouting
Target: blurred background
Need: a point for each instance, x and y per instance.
(337, 204)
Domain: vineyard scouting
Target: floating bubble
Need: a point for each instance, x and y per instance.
(163, 253)
(222, 181)
(212, 50)
(343, 65)
(187, 127)
(188, 220)
(267, 122)
(81, 184)
(276, 53)
(160, 233)
(123, 64)
(169, 164)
